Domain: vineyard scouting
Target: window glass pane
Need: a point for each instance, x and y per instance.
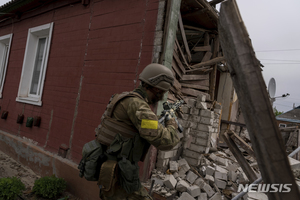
(3, 64)
(37, 66)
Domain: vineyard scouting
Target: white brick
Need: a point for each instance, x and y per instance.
(200, 182)
(218, 111)
(167, 154)
(191, 103)
(192, 161)
(202, 142)
(191, 177)
(218, 105)
(212, 156)
(210, 170)
(173, 166)
(170, 181)
(199, 134)
(194, 190)
(232, 167)
(221, 161)
(220, 184)
(221, 169)
(184, 123)
(182, 186)
(194, 111)
(201, 105)
(201, 97)
(207, 113)
(162, 162)
(206, 120)
(232, 176)
(202, 196)
(195, 118)
(185, 109)
(204, 127)
(206, 188)
(193, 125)
(186, 116)
(198, 148)
(158, 180)
(210, 179)
(221, 176)
(185, 196)
(217, 196)
(191, 154)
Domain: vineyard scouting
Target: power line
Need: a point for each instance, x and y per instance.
(280, 60)
(279, 50)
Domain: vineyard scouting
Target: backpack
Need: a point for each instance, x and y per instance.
(92, 159)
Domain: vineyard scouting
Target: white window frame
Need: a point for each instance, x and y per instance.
(281, 125)
(34, 34)
(5, 43)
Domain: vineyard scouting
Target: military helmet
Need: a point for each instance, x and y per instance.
(158, 76)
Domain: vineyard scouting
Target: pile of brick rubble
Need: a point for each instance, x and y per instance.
(195, 169)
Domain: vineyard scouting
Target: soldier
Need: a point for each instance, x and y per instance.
(128, 128)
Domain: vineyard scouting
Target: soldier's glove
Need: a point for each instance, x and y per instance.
(172, 122)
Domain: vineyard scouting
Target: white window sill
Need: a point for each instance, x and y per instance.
(29, 100)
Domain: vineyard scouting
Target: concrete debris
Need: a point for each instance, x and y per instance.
(195, 169)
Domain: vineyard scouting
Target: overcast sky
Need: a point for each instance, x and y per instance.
(274, 29)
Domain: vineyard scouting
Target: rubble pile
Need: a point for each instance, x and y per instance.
(216, 177)
(195, 169)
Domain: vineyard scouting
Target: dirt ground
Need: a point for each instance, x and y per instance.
(11, 168)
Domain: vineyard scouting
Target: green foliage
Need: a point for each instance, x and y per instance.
(49, 186)
(276, 112)
(10, 188)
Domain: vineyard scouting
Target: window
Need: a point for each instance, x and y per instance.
(35, 64)
(282, 125)
(5, 42)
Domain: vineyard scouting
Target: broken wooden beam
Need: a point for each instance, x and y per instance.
(204, 82)
(187, 49)
(250, 87)
(194, 77)
(194, 86)
(181, 53)
(203, 48)
(239, 157)
(196, 28)
(210, 62)
(194, 93)
(239, 141)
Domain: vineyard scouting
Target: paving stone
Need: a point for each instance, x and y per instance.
(182, 186)
(193, 162)
(232, 176)
(221, 169)
(210, 179)
(185, 196)
(191, 177)
(170, 182)
(194, 190)
(232, 167)
(200, 182)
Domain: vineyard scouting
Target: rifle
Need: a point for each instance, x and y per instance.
(169, 112)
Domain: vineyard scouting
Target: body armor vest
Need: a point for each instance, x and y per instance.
(109, 126)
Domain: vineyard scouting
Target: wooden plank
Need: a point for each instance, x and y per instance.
(213, 74)
(202, 69)
(197, 82)
(206, 39)
(203, 48)
(196, 28)
(176, 68)
(179, 63)
(254, 102)
(206, 57)
(181, 53)
(210, 62)
(184, 38)
(176, 84)
(239, 141)
(193, 86)
(239, 157)
(194, 77)
(194, 93)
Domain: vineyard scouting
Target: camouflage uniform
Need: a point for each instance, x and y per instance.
(136, 112)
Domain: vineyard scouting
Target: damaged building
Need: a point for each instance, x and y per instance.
(62, 60)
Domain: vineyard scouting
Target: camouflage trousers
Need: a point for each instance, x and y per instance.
(121, 194)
